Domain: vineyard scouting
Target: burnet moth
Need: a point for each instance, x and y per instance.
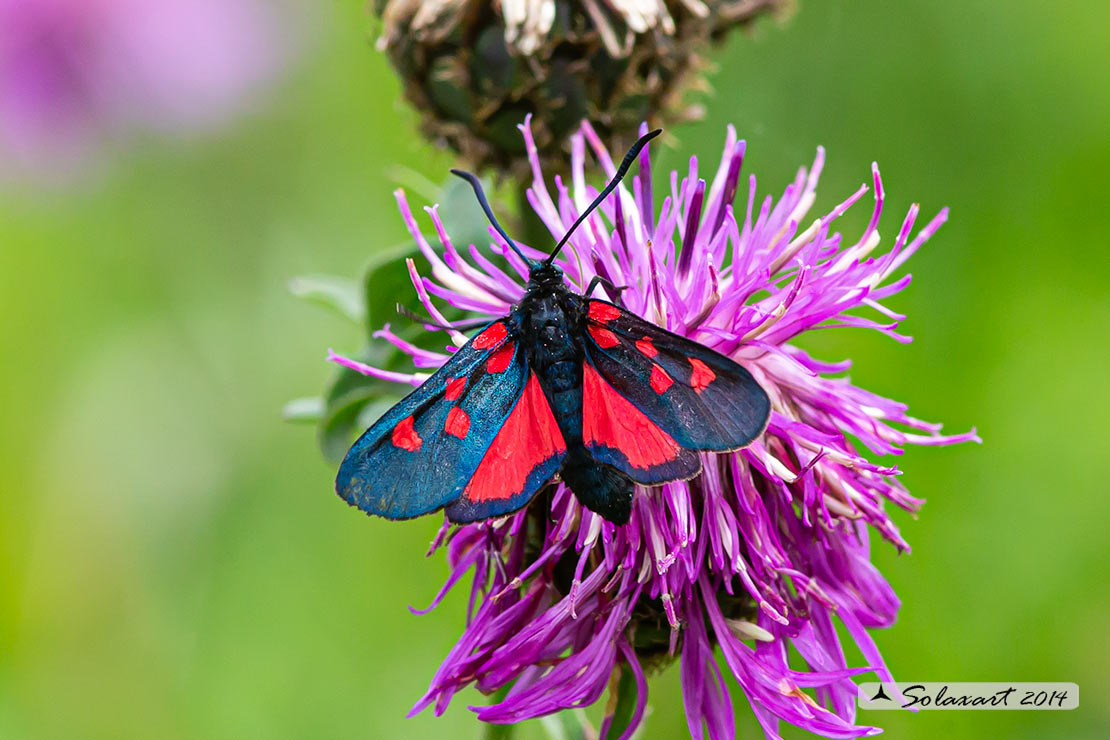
(566, 387)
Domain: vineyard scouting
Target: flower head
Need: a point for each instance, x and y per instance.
(765, 550)
(474, 70)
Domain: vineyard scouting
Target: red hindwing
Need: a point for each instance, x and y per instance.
(529, 437)
(609, 420)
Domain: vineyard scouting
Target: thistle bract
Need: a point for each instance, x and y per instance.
(768, 548)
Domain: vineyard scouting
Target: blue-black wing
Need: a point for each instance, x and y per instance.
(477, 437)
(652, 398)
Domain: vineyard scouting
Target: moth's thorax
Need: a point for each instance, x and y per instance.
(550, 327)
(549, 318)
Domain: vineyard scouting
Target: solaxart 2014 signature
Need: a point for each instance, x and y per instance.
(968, 695)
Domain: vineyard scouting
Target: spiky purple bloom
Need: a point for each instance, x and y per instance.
(77, 74)
(768, 547)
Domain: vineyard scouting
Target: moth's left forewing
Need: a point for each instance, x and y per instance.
(419, 456)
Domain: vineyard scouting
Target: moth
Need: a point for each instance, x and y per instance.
(565, 387)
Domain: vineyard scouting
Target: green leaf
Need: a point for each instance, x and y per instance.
(339, 294)
(386, 283)
(304, 410)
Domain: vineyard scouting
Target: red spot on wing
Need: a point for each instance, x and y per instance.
(604, 338)
(603, 312)
(610, 420)
(660, 381)
(455, 388)
(405, 437)
(500, 359)
(458, 422)
(529, 437)
(646, 347)
(493, 334)
(701, 376)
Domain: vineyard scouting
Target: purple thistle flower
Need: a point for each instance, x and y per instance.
(769, 545)
(75, 74)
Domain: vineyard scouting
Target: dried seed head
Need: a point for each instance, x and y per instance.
(475, 69)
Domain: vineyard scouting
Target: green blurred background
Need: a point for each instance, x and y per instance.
(173, 563)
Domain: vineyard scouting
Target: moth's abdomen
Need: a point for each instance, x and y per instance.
(600, 488)
(563, 381)
(564, 375)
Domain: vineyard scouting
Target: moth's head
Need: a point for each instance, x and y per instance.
(544, 274)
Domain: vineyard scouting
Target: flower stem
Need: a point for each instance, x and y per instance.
(570, 724)
(499, 732)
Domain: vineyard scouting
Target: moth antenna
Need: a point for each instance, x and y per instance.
(629, 158)
(417, 318)
(476, 184)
